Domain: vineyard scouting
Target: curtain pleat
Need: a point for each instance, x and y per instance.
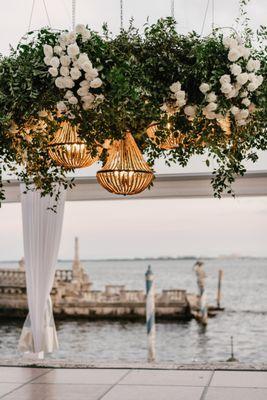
(41, 237)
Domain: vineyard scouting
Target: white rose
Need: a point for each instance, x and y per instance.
(65, 61)
(258, 80)
(68, 82)
(204, 87)
(235, 69)
(80, 28)
(87, 66)
(234, 110)
(86, 35)
(47, 60)
(48, 50)
(229, 42)
(180, 95)
(246, 102)
(83, 58)
(85, 83)
(244, 94)
(243, 114)
(71, 38)
(175, 87)
(232, 93)
(68, 94)
(211, 107)
(63, 38)
(73, 100)
(59, 82)
(234, 54)
(257, 65)
(245, 52)
(87, 106)
(226, 88)
(73, 50)
(252, 87)
(83, 91)
(53, 71)
(180, 102)
(89, 98)
(211, 97)
(164, 107)
(64, 71)
(242, 78)
(190, 111)
(91, 75)
(54, 62)
(225, 79)
(61, 106)
(96, 83)
(58, 50)
(75, 73)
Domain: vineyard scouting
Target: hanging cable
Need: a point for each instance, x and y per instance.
(31, 14)
(73, 14)
(172, 8)
(213, 15)
(121, 13)
(205, 17)
(47, 15)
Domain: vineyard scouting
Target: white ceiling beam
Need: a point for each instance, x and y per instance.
(166, 186)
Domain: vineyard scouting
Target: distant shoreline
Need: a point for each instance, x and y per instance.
(192, 258)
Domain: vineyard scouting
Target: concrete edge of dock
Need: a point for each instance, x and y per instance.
(54, 363)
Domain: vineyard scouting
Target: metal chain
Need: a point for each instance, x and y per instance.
(73, 19)
(31, 14)
(46, 11)
(172, 8)
(121, 13)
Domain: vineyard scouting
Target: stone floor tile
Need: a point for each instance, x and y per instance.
(7, 387)
(20, 374)
(58, 392)
(223, 393)
(83, 376)
(137, 392)
(167, 377)
(240, 379)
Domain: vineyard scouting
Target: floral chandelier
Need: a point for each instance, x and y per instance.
(201, 96)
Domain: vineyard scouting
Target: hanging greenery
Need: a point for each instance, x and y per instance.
(210, 92)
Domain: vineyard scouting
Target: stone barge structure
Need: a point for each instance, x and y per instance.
(73, 297)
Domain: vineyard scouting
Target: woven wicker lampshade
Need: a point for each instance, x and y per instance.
(169, 143)
(68, 150)
(125, 171)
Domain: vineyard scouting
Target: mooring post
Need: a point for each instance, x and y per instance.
(150, 315)
(220, 276)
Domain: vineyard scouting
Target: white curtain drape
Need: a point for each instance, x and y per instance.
(41, 238)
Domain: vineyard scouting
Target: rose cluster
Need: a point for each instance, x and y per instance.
(238, 85)
(73, 71)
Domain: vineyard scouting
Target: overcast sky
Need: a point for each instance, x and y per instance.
(145, 227)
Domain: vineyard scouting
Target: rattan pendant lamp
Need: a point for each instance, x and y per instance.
(125, 171)
(68, 150)
(172, 141)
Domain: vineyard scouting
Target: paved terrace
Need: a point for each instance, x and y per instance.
(132, 383)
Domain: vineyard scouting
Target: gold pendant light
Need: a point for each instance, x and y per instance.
(170, 142)
(68, 150)
(125, 171)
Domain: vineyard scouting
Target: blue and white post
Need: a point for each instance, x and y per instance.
(150, 315)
